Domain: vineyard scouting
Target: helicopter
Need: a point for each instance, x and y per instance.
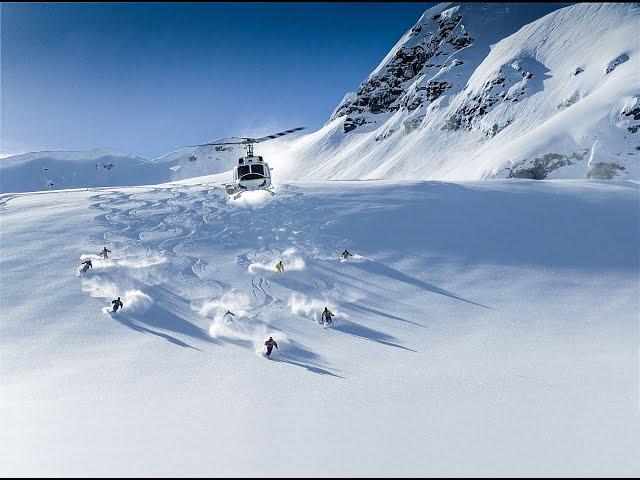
(252, 172)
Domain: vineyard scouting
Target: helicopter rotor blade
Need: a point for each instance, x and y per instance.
(249, 140)
(276, 135)
(217, 143)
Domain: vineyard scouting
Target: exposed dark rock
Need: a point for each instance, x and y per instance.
(541, 167)
(498, 90)
(413, 124)
(429, 92)
(386, 91)
(479, 104)
(495, 128)
(615, 62)
(460, 42)
(384, 135)
(604, 171)
(635, 113)
(412, 103)
(611, 66)
(569, 101)
(454, 122)
(352, 123)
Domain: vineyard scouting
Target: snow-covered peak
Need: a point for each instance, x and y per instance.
(67, 155)
(476, 91)
(104, 167)
(436, 55)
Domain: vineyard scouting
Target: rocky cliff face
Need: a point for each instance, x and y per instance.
(396, 85)
(493, 90)
(423, 66)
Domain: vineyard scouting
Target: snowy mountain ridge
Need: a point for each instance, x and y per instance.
(472, 91)
(108, 167)
(477, 91)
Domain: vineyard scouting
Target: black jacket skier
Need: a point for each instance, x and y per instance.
(326, 316)
(87, 265)
(117, 304)
(270, 344)
(346, 254)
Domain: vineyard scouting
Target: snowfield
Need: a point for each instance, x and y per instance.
(484, 326)
(482, 329)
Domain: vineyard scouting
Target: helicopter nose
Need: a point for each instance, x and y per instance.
(253, 183)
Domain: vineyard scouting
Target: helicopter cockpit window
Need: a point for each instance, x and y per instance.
(243, 170)
(257, 169)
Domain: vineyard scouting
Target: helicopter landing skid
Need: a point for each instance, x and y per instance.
(238, 194)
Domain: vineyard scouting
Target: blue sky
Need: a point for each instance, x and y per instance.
(149, 78)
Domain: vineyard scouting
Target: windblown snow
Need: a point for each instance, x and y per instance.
(481, 328)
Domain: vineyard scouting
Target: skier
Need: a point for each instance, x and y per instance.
(87, 265)
(270, 344)
(346, 254)
(117, 304)
(326, 316)
(229, 315)
(279, 268)
(105, 253)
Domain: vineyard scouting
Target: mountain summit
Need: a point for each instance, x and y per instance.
(476, 91)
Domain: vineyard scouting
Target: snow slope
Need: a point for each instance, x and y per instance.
(477, 91)
(108, 167)
(482, 329)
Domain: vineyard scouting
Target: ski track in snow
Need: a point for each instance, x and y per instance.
(147, 231)
(475, 322)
